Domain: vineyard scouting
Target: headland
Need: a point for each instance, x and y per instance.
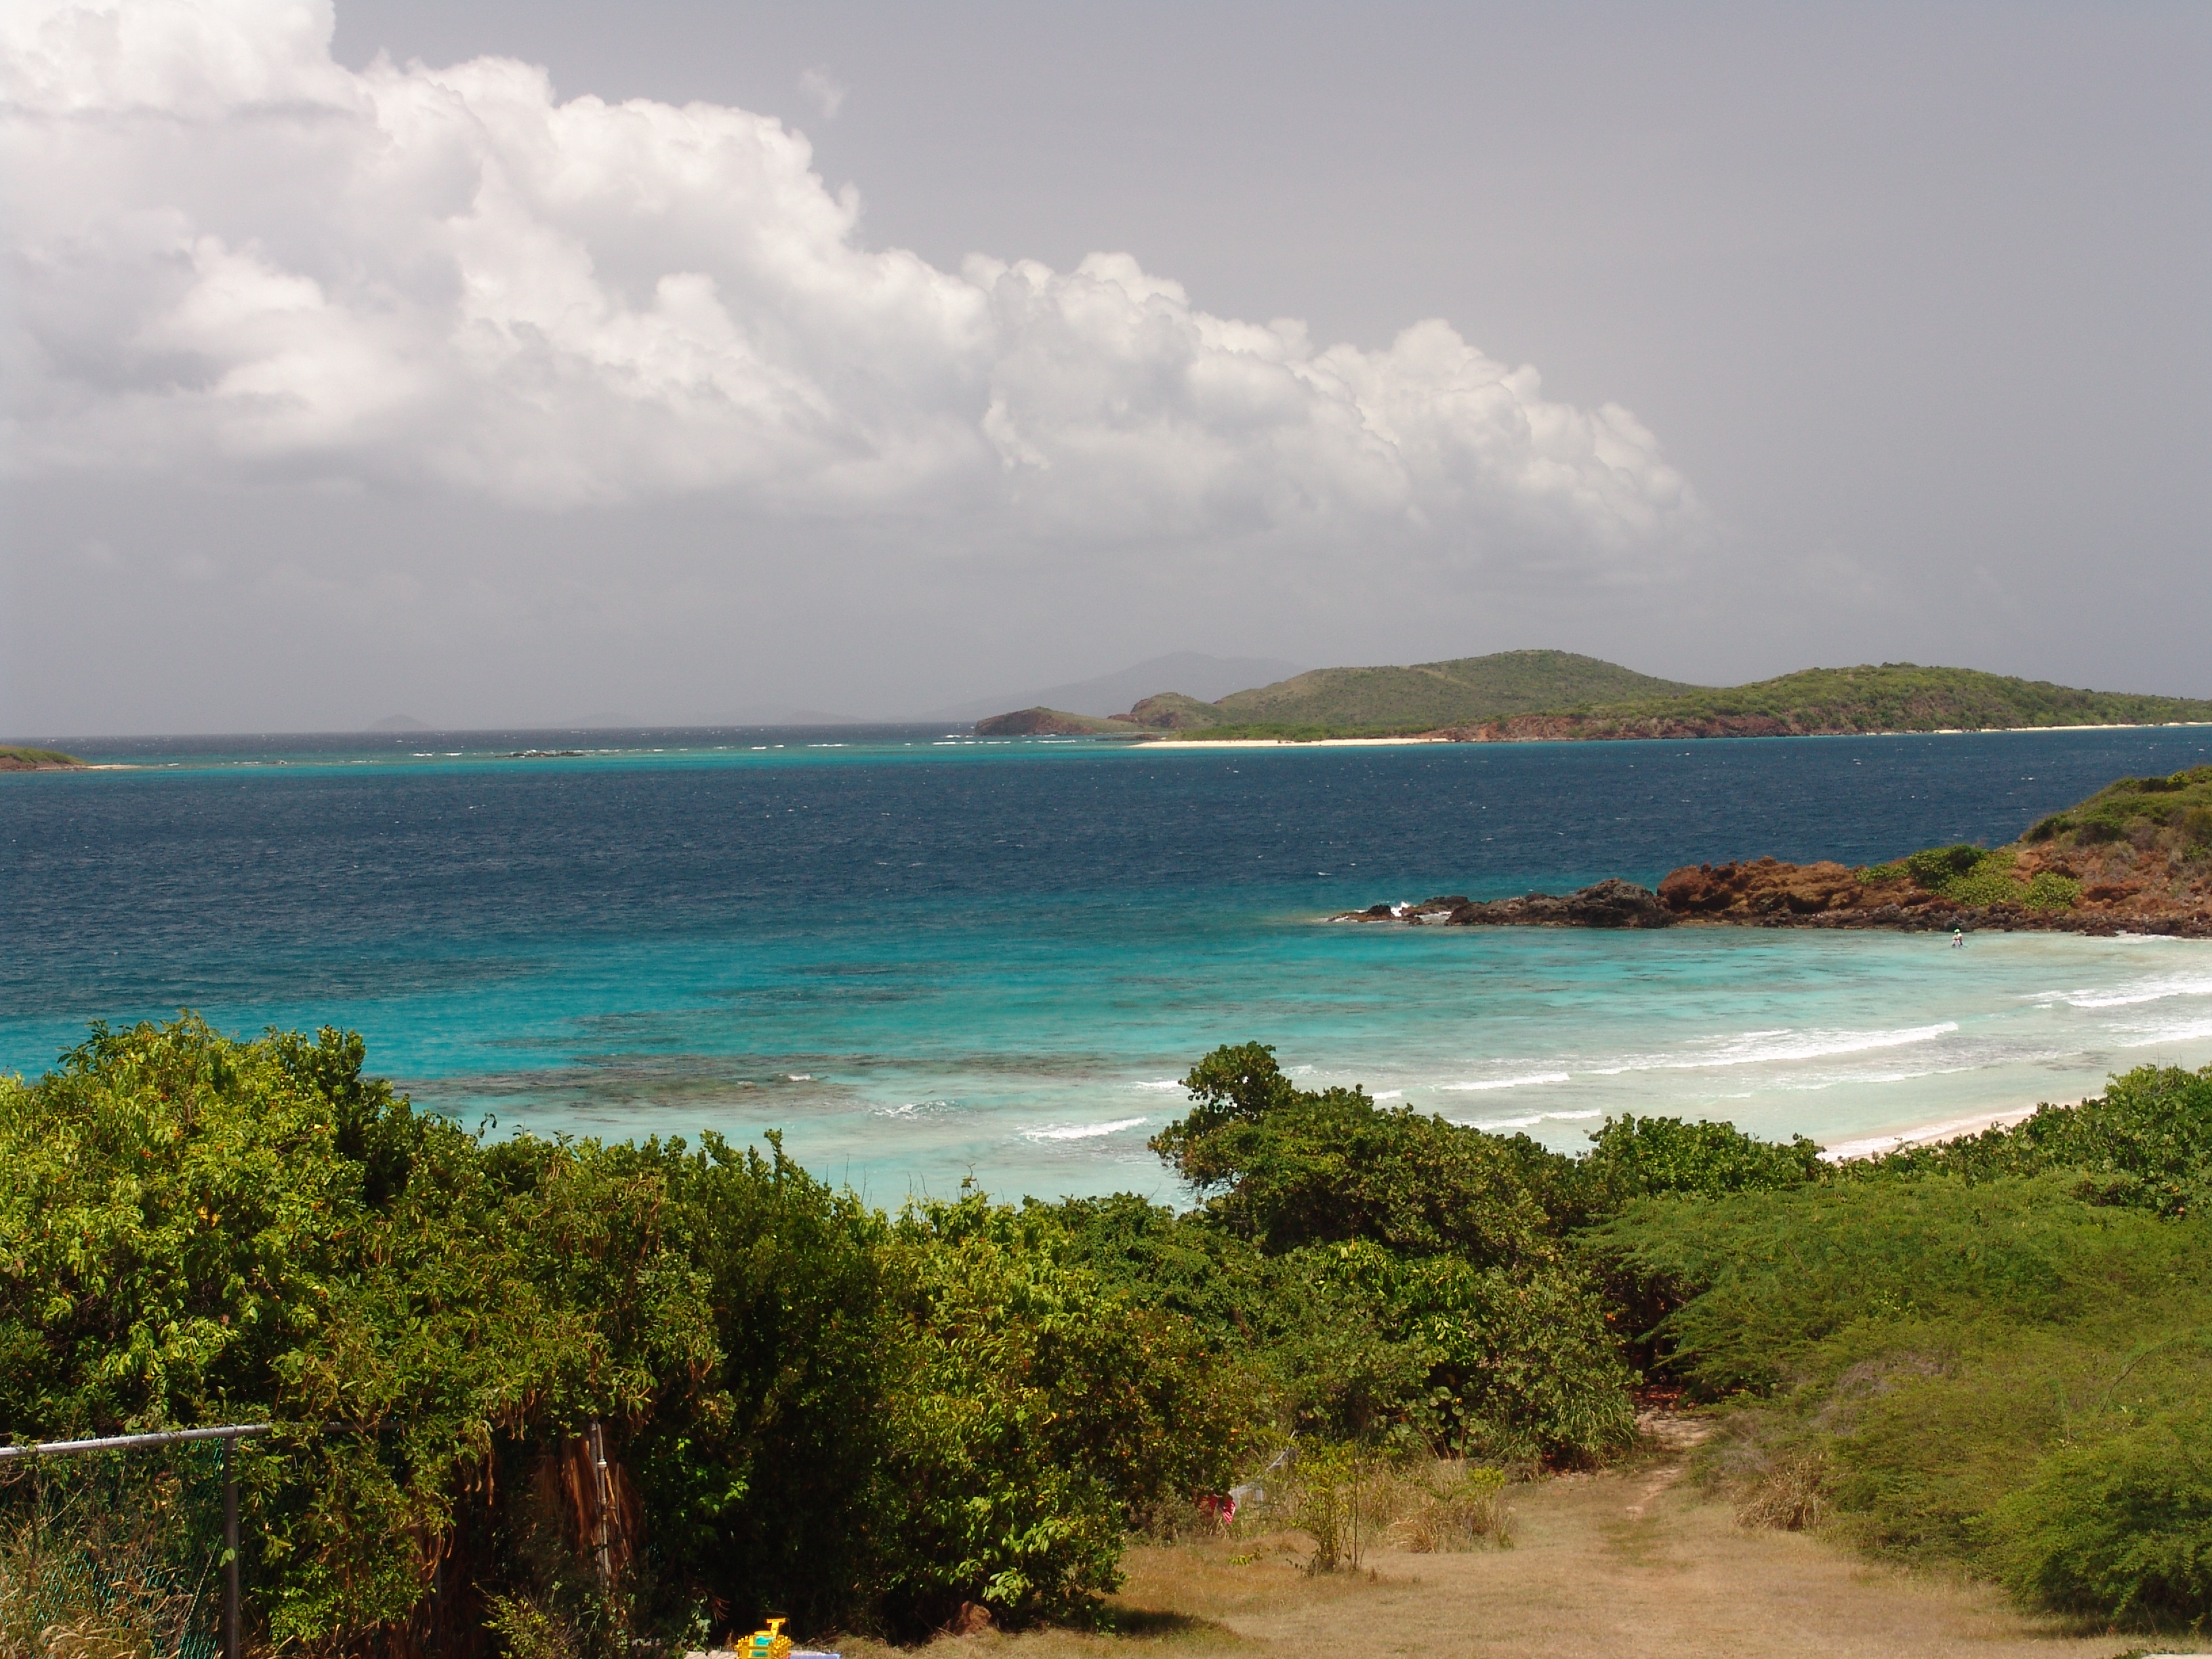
(17, 759)
(2135, 858)
(1560, 696)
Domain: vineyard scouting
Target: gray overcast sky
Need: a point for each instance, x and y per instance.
(336, 387)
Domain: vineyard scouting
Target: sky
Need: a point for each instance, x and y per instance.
(507, 364)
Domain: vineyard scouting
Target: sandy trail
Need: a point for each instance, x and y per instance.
(1630, 1564)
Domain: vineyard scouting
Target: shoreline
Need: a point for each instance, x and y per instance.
(1164, 741)
(1927, 1134)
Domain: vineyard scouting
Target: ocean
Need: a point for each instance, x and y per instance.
(924, 957)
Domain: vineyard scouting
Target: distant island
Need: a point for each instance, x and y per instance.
(37, 760)
(2135, 857)
(1530, 696)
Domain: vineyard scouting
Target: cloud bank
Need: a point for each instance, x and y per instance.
(232, 259)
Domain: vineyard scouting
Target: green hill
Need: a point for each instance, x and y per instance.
(1042, 722)
(1898, 696)
(1437, 694)
(1538, 695)
(13, 759)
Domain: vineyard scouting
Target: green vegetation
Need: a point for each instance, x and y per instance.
(15, 759)
(1429, 695)
(1172, 711)
(2177, 809)
(1979, 876)
(1996, 1354)
(1053, 723)
(1893, 697)
(822, 1412)
(1559, 694)
(1906, 698)
(2138, 835)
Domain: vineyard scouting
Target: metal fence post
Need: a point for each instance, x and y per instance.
(602, 1491)
(231, 1647)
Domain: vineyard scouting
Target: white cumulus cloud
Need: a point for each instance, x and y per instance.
(232, 257)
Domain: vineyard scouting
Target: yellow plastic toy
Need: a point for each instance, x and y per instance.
(769, 1643)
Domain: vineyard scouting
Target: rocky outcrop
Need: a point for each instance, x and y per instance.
(1770, 893)
(1767, 887)
(1609, 903)
(2135, 857)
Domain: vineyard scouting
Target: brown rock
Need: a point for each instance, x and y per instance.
(973, 1619)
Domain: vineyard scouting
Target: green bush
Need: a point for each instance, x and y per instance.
(1987, 886)
(2049, 890)
(2120, 1529)
(2182, 801)
(2145, 1143)
(1970, 875)
(1932, 866)
(1634, 1158)
(1285, 1167)
(1990, 1354)
(1518, 1365)
(1035, 1412)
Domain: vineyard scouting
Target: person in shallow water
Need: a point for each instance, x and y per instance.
(1958, 938)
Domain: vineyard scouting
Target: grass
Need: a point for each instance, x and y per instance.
(15, 758)
(1628, 1565)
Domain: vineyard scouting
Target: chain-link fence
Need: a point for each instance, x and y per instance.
(123, 1547)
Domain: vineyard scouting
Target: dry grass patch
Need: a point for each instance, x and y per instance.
(1603, 1567)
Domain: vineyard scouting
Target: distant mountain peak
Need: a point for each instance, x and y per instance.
(1193, 672)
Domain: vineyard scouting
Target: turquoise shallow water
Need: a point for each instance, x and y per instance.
(922, 958)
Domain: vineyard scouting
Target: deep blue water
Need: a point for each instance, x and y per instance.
(921, 956)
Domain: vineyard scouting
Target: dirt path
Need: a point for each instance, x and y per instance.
(1625, 1565)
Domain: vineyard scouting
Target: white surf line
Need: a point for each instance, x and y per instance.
(1051, 1131)
(1927, 1135)
(1503, 1082)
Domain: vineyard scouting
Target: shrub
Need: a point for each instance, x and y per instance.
(1988, 886)
(1969, 875)
(2121, 1529)
(2145, 1143)
(1635, 1157)
(2049, 890)
(1285, 1167)
(1932, 866)
(1035, 1414)
(1454, 1505)
(1791, 1494)
(1343, 1498)
(1513, 1364)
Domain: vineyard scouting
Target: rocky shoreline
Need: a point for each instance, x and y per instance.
(1770, 893)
